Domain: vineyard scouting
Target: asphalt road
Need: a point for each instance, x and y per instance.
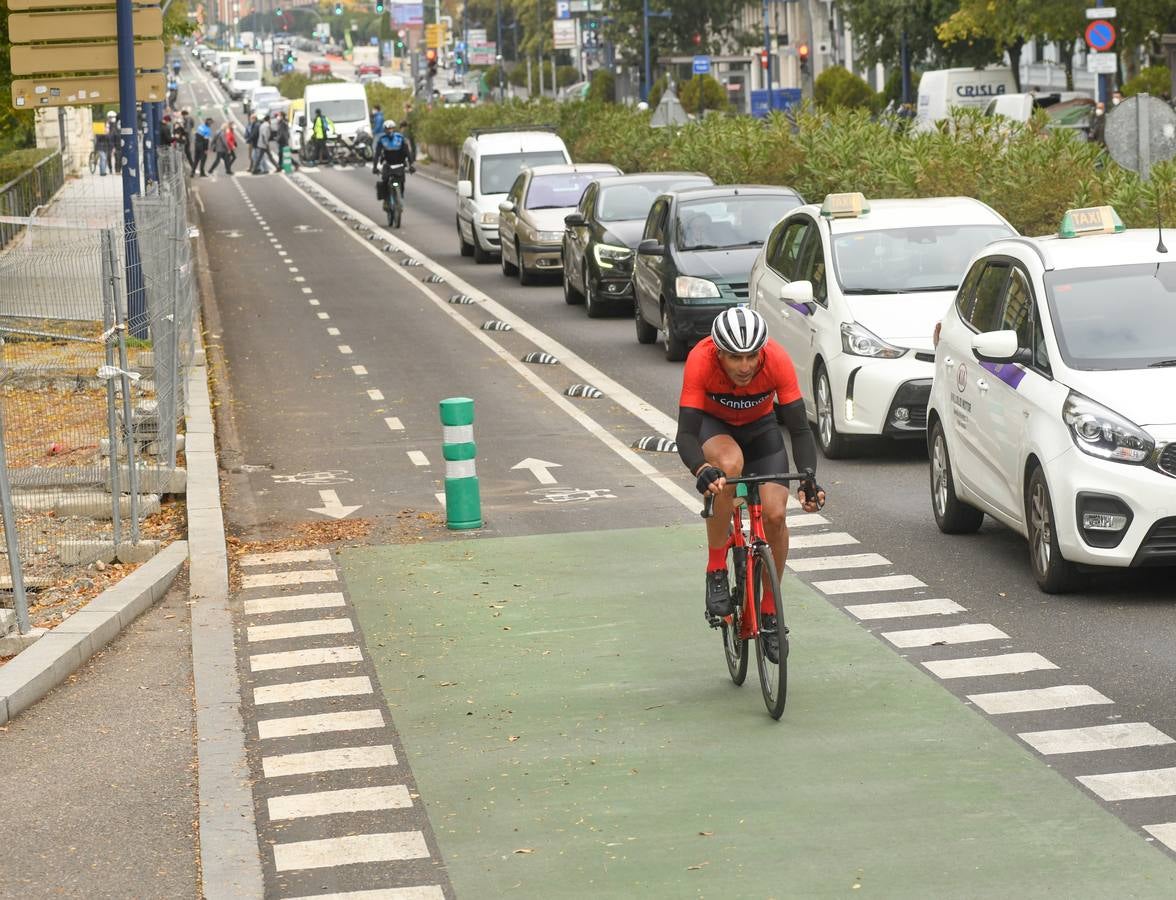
(1112, 637)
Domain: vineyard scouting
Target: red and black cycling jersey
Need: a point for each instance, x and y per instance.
(706, 387)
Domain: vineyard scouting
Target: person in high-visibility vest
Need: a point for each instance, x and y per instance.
(321, 129)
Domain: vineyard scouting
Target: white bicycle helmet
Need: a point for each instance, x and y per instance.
(739, 330)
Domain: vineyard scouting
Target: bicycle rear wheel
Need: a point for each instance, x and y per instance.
(735, 647)
(398, 213)
(773, 674)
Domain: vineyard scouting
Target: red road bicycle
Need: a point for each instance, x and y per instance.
(756, 591)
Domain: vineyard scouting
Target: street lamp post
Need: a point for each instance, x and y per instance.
(646, 16)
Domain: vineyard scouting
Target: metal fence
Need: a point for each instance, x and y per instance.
(90, 398)
(27, 192)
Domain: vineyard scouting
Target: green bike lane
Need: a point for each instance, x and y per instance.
(573, 732)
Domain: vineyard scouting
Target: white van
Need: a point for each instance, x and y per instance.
(1064, 110)
(246, 75)
(224, 65)
(491, 159)
(344, 103)
(942, 90)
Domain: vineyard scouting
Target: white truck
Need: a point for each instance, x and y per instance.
(345, 104)
(942, 90)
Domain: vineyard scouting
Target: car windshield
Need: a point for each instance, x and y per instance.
(736, 221)
(248, 75)
(499, 171)
(558, 191)
(1136, 331)
(904, 260)
(347, 110)
(631, 200)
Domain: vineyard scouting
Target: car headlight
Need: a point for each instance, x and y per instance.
(608, 255)
(488, 218)
(1100, 432)
(690, 288)
(549, 237)
(859, 341)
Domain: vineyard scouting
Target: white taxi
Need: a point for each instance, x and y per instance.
(1053, 407)
(852, 289)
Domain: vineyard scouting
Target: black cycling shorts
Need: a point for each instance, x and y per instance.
(761, 441)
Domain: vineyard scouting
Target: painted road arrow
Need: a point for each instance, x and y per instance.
(332, 507)
(538, 468)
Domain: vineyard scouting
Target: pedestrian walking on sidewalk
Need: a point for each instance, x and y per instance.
(203, 141)
(220, 146)
(184, 139)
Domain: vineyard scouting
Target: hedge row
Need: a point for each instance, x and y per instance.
(17, 162)
(1028, 174)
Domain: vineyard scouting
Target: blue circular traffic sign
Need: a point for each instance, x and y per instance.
(1100, 35)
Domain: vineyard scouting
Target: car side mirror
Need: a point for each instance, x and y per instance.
(650, 247)
(506, 206)
(996, 346)
(797, 292)
(465, 189)
(575, 220)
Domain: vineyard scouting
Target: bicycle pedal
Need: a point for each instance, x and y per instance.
(712, 620)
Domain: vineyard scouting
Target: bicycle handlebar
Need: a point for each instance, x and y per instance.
(708, 502)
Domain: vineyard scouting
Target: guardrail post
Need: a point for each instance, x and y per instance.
(463, 502)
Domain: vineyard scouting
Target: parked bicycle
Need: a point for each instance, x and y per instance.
(756, 591)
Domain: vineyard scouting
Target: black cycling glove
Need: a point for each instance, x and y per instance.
(707, 477)
(812, 491)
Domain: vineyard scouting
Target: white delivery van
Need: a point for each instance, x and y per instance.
(224, 65)
(344, 103)
(942, 90)
(491, 159)
(246, 75)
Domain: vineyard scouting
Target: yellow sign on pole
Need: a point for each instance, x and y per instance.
(25, 28)
(30, 93)
(46, 59)
(34, 5)
(437, 35)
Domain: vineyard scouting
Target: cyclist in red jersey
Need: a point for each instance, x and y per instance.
(739, 390)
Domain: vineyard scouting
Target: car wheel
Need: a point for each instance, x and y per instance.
(833, 445)
(592, 304)
(1054, 574)
(674, 347)
(525, 275)
(508, 268)
(481, 255)
(646, 333)
(572, 297)
(467, 249)
(952, 515)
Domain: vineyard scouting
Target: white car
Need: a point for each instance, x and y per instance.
(1053, 408)
(852, 289)
(265, 99)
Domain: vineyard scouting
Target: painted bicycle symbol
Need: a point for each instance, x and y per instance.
(328, 476)
(572, 495)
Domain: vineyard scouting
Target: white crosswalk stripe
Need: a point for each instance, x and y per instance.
(288, 603)
(422, 892)
(1120, 736)
(278, 579)
(342, 758)
(952, 634)
(343, 721)
(1063, 696)
(983, 666)
(327, 803)
(848, 561)
(1165, 833)
(315, 656)
(285, 556)
(904, 608)
(825, 539)
(312, 690)
(1142, 785)
(287, 630)
(868, 585)
(349, 850)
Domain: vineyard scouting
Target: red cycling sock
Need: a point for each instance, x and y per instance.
(716, 559)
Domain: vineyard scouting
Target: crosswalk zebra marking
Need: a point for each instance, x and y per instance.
(341, 758)
(1062, 696)
(281, 579)
(904, 608)
(309, 628)
(315, 656)
(263, 605)
(868, 585)
(328, 803)
(951, 634)
(1165, 833)
(285, 556)
(826, 539)
(848, 561)
(983, 666)
(419, 892)
(1119, 736)
(350, 850)
(316, 689)
(1142, 785)
(319, 724)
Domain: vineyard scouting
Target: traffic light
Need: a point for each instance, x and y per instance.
(338, 9)
(277, 10)
(697, 39)
(289, 57)
(431, 58)
(380, 6)
(802, 53)
(765, 60)
(459, 59)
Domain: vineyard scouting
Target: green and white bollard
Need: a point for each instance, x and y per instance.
(287, 160)
(463, 502)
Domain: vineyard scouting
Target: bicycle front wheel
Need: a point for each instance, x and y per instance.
(399, 208)
(93, 161)
(735, 647)
(773, 667)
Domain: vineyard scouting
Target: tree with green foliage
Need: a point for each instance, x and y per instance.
(603, 88)
(702, 93)
(838, 88)
(1154, 80)
(880, 25)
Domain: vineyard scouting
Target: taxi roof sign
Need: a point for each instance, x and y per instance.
(1090, 220)
(845, 206)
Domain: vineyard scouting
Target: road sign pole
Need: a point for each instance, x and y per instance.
(129, 128)
(1104, 96)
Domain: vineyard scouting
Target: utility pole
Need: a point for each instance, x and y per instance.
(129, 138)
